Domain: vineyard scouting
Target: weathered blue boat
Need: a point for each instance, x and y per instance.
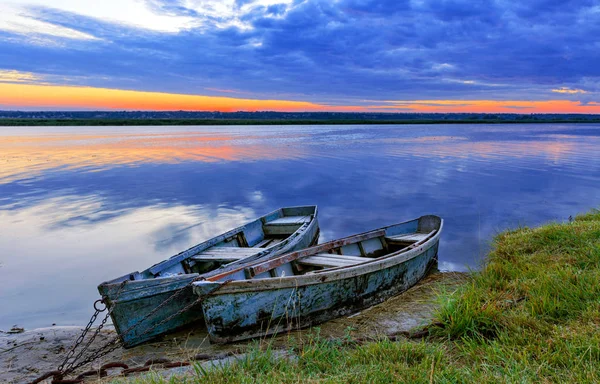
(310, 286)
(160, 299)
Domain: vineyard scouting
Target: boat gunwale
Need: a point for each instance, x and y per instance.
(331, 274)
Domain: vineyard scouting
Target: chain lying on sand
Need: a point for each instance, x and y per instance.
(71, 362)
(59, 378)
(163, 363)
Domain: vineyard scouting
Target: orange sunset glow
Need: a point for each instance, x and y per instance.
(31, 96)
(30, 155)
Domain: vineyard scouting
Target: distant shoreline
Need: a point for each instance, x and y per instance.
(189, 122)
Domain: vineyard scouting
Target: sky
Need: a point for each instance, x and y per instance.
(534, 56)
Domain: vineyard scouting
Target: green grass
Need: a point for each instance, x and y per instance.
(532, 314)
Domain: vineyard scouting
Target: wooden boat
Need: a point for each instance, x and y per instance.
(310, 286)
(157, 300)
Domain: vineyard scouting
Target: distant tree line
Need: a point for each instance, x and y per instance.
(16, 118)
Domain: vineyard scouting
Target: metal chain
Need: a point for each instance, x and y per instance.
(185, 309)
(116, 342)
(87, 345)
(79, 340)
(70, 362)
(112, 345)
(100, 352)
(159, 307)
(71, 353)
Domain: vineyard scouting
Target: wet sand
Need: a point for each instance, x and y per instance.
(25, 356)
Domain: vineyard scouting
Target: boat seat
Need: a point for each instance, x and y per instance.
(408, 237)
(225, 254)
(327, 260)
(285, 225)
(268, 242)
(287, 220)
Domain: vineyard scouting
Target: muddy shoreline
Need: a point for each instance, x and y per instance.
(25, 356)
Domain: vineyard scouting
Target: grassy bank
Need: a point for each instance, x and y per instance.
(532, 314)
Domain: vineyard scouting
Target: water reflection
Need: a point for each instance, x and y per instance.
(82, 205)
(29, 156)
(58, 253)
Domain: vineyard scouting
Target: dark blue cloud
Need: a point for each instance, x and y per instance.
(171, 7)
(332, 52)
(276, 9)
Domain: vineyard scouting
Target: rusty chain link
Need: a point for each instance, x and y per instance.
(126, 370)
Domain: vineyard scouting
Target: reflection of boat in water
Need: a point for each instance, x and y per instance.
(310, 286)
(160, 299)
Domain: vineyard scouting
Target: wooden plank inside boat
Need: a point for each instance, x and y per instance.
(257, 269)
(225, 254)
(408, 237)
(285, 225)
(239, 250)
(287, 220)
(220, 258)
(327, 260)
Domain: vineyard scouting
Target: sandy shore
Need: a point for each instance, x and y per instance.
(24, 356)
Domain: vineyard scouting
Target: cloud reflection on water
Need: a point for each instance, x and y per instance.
(64, 255)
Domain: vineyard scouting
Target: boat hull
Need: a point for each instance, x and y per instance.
(140, 308)
(251, 313)
(133, 313)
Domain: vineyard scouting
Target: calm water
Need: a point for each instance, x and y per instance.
(82, 205)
